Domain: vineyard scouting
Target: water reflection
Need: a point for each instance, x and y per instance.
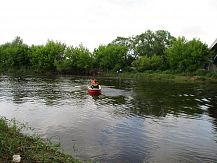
(131, 121)
(49, 90)
(212, 111)
(158, 99)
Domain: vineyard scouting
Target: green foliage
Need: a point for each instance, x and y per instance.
(148, 43)
(37, 57)
(14, 54)
(147, 51)
(152, 43)
(127, 42)
(123, 41)
(31, 148)
(43, 57)
(65, 62)
(82, 58)
(111, 57)
(148, 63)
(186, 55)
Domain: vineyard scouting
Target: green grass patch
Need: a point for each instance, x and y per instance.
(198, 76)
(30, 148)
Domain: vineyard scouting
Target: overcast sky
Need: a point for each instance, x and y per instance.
(95, 22)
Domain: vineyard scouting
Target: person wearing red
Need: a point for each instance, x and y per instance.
(94, 84)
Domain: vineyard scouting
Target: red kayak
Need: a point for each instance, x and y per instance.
(94, 91)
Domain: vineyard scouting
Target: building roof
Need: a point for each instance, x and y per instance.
(214, 48)
(213, 45)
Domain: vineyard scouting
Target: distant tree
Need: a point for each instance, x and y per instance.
(153, 62)
(82, 58)
(43, 57)
(186, 55)
(53, 51)
(148, 51)
(37, 57)
(111, 57)
(152, 43)
(129, 43)
(14, 54)
(124, 41)
(65, 62)
(17, 40)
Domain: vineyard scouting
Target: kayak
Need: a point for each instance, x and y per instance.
(94, 91)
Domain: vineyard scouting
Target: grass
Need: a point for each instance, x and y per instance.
(198, 76)
(30, 148)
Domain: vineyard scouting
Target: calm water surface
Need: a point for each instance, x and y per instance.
(132, 121)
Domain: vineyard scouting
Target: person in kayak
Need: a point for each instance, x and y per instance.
(94, 84)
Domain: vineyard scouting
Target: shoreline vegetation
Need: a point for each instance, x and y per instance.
(156, 52)
(199, 76)
(30, 148)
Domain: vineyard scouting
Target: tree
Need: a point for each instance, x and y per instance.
(129, 43)
(65, 62)
(111, 57)
(148, 63)
(152, 43)
(14, 54)
(43, 57)
(82, 58)
(186, 55)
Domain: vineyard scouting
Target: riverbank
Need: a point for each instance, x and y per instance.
(30, 148)
(199, 76)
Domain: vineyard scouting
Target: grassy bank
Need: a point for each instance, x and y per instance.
(30, 148)
(199, 76)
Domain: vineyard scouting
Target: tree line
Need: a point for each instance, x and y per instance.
(157, 51)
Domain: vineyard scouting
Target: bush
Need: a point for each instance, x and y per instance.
(148, 63)
(187, 56)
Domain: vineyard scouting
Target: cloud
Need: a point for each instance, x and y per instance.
(100, 21)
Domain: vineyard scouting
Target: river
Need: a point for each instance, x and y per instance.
(131, 121)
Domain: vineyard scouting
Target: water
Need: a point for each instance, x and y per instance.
(132, 121)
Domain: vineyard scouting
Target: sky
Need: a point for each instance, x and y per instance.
(96, 22)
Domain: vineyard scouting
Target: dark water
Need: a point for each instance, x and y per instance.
(132, 121)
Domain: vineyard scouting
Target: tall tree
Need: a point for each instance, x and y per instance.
(14, 54)
(152, 43)
(65, 62)
(43, 57)
(111, 57)
(129, 43)
(186, 55)
(82, 58)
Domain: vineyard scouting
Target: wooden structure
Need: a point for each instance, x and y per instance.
(213, 65)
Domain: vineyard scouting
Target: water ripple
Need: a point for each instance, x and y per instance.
(131, 121)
